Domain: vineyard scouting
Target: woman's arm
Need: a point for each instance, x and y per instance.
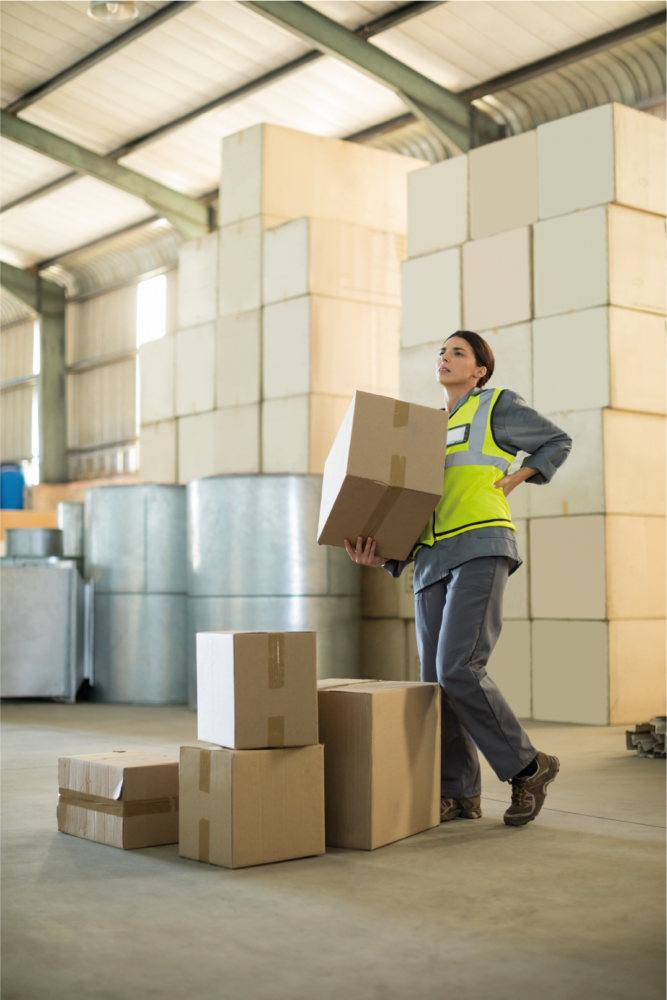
(518, 427)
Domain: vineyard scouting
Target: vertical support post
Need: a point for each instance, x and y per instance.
(52, 384)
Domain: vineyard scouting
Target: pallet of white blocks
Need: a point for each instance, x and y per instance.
(648, 738)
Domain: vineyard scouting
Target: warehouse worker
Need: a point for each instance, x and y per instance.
(463, 558)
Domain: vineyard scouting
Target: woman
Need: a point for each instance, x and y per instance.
(463, 558)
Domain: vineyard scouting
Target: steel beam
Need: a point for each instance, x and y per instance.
(98, 56)
(452, 118)
(48, 300)
(189, 216)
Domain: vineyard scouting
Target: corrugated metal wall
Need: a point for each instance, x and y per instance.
(18, 388)
(102, 380)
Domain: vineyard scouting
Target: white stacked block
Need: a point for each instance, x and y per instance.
(195, 370)
(608, 154)
(635, 567)
(240, 271)
(571, 263)
(384, 649)
(634, 458)
(334, 259)
(286, 435)
(354, 346)
(418, 381)
(238, 359)
(637, 376)
(637, 693)
(242, 175)
(509, 666)
(496, 280)
(571, 361)
(287, 348)
(503, 185)
(157, 361)
(438, 207)
(568, 567)
(431, 302)
(609, 254)
(571, 671)
(197, 281)
(512, 350)
(221, 442)
(158, 455)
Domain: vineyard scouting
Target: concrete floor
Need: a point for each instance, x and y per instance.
(570, 907)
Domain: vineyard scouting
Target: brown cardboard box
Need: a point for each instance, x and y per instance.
(120, 798)
(257, 689)
(381, 760)
(251, 807)
(384, 474)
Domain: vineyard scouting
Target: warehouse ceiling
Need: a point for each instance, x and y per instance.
(159, 99)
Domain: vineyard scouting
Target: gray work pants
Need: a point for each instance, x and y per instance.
(458, 621)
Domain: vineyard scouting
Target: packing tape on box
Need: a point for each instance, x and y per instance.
(401, 413)
(387, 502)
(204, 770)
(113, 807)
(275, 736)
(276, 659)
(204, 840)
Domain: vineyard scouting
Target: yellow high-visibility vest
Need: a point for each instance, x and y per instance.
(475, 461)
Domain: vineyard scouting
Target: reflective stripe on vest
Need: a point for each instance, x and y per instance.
(474, 463)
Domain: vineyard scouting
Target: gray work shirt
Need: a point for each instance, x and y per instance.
(516, 427)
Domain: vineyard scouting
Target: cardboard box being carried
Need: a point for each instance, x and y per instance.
(383, 477)
(381, 760)
(121, 798)
(251, 807)
(257, 689)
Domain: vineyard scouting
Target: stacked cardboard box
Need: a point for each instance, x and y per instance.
(257, 795)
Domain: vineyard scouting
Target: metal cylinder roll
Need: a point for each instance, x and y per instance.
(135, 550)
(34, 543)
(254, 563)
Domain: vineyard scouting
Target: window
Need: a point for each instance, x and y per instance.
(151, 309)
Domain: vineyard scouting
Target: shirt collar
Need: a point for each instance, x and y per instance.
(464, 399)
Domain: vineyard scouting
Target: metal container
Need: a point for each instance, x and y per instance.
(140, 648)
(135, 539)
(46, 629)
(254, 563)
(135, 550)
(34, 543)
(70, 522)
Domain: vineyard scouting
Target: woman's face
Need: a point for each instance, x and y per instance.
(456, 363)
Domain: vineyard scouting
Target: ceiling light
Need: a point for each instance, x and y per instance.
(124, 10)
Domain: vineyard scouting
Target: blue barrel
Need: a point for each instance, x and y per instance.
(12, 482)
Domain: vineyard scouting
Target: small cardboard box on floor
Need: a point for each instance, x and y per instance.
(121, 798)
(257, 689)
(381, 760)
(251, 807)
(383, 477)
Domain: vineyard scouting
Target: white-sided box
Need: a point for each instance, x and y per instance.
(257, 689)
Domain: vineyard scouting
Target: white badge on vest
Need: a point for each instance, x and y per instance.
(458, 435)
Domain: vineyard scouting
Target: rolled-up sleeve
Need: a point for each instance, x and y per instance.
(517, 427)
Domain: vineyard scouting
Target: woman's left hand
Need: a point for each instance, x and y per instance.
(509, 483)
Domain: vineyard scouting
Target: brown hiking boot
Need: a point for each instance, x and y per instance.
(528, 794)
(460, 809)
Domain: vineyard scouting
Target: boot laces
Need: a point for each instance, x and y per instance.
(519, 793)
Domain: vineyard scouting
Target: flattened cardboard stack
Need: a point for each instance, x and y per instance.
(381, 760)
(258, 795)
(122, 799)
(384, 474)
